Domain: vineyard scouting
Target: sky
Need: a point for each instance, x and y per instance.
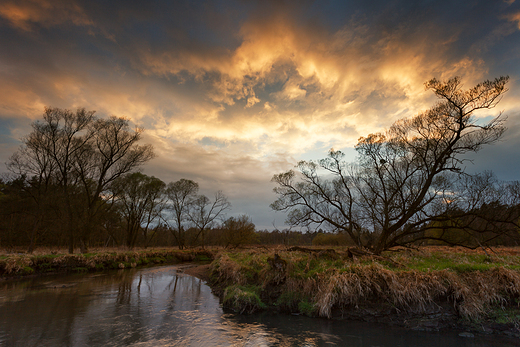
(232, 92)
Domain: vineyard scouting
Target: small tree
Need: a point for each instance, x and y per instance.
(403, 177)
(142, 201)
(204, 212)
(237, 231)
(181, 195)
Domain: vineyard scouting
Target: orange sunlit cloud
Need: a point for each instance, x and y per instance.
(24, 14)
(334, 65)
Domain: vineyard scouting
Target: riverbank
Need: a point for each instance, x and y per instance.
(431, 289)
(200, 271)
(17, 265)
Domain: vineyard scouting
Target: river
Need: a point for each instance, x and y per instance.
(162, 306)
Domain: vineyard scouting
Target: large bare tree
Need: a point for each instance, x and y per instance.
(111, 152)
(404, 176)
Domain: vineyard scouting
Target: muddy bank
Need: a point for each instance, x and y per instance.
(199, 271)
(439, 316)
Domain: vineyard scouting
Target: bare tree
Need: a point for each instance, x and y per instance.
(112, 151)
(403, 176)
(204, 212)
(181, 194)
(48, 152)
(142, 201)
(82, 155)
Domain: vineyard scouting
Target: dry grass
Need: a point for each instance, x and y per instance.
(26, 264)
(227, 271)
(470, 281)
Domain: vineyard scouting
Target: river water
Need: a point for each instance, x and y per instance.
(162, 306)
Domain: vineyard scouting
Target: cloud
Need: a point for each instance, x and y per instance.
(25, 14)
(231, 95)
(301, 70)
(515, 17)
(302, 73)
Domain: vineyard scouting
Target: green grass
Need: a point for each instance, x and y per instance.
(458, 262)
(307, 308)
(505, 315)
(243, 299)
(303, 265)
(27, 270)
(295, 302)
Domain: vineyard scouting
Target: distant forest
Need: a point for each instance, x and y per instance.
(74, 184)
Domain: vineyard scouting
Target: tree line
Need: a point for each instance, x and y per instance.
(76, 179)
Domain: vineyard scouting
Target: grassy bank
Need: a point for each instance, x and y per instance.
(428, 289)
(12, 265)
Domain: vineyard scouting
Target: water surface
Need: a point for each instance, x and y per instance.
(162, 306)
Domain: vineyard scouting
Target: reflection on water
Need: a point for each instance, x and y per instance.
(163, 307)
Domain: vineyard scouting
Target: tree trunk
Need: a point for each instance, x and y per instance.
(83, 244)
(71, 241)
(34, 235)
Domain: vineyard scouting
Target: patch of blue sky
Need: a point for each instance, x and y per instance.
(6, 129)
(483, 120)
(212, 142)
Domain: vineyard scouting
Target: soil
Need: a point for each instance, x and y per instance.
(199, 271)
